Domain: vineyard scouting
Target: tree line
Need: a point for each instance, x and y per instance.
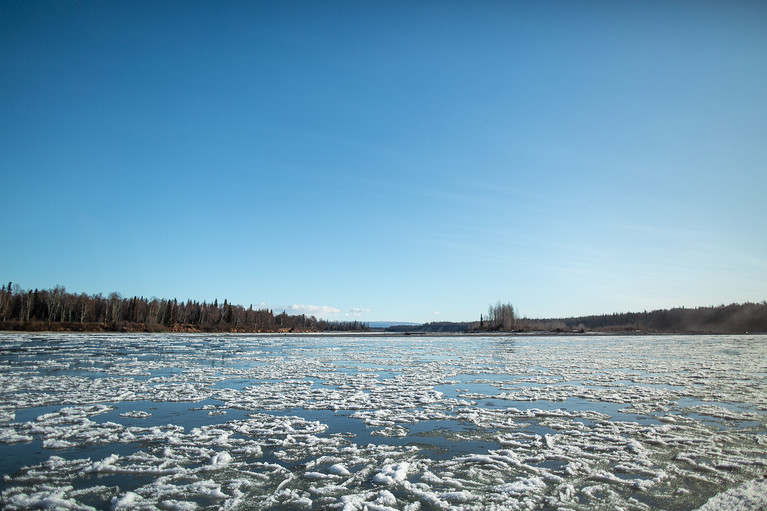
(57, 309)
(500, 317)
(733, 318)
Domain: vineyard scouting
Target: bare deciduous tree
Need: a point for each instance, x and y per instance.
(501, 317)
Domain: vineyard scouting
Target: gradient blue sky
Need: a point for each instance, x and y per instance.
(410, 161)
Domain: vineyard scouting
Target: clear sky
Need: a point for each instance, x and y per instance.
(410, 161)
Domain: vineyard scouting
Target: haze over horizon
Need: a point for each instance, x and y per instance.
(393, 161)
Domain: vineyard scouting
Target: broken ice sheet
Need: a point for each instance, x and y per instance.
(259, 422)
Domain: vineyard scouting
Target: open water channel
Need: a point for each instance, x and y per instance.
(182, 422)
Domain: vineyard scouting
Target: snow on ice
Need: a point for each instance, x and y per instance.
(375, 422)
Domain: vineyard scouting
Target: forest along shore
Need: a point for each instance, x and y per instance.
(56, 310)
(723, 319)
(44, 326)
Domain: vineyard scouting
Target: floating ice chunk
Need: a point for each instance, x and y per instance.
(48, 498)
(458, 496)
(639, 484)
(207, 488)
(746, 497)
(303, 502)
(390, 474)
(251, 450)
(136, 414)
(105, 465)
(220, 459)
(338, 470)
(175, 505)
(502, 459)
(7, 415)
(391, 431)
(431, 478)
(127, 501)
(55, 443)
(386, 498)
(353, 502)
(635, 447)
(524, 485)
(723, 413)
(428, 497)
(12, 437)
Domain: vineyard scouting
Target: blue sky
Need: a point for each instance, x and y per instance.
(410, 161)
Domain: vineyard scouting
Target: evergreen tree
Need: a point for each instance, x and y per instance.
(168, 316)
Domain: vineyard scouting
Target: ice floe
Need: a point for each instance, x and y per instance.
(319, 422)
(749, 496)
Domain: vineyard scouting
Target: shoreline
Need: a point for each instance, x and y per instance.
(370, 333)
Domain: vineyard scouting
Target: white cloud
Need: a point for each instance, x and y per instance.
(312, 310)
(435, 313)
(321, 311)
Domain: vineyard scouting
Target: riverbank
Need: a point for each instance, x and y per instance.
(44, 326)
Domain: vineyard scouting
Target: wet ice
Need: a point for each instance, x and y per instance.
(348, 422)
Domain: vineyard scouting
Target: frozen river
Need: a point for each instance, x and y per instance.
(135, 421)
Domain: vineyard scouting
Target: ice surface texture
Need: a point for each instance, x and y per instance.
(99, 421)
